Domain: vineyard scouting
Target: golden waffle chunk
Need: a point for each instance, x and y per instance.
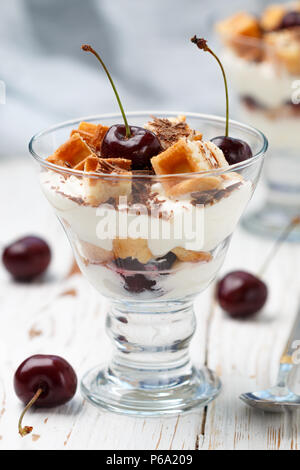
(99, 188)
(92, 134)
(235, 31)
(189, 157)
(107, 165)
(71, 153)
(132, 247)
(122, 163)
(286, 48)
(176, 159)
(203, 183)
(208, 156)
(192, 256)
(240, 24)
(272, 17)
(95, 254)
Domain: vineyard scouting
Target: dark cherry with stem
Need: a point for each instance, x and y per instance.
(44, 381)
(235, 150)
(27, 258)
(123, 141)
(242, 294)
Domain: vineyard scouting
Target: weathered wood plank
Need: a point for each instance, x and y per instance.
(66, 316)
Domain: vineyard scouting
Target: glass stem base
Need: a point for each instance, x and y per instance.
(150, 373)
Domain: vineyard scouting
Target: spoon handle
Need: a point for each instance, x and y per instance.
(291, 354)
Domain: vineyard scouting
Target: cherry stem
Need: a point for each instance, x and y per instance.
(88, 48)
(282, 237)
(27, 429)
(202, 44)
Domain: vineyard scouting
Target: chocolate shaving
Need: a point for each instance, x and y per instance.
(140, 191)
(169, 132)
(106, 166)
(212, 195)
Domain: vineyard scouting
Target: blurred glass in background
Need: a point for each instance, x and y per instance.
(145, 44)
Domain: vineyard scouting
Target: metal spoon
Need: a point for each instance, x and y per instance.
(279, 398)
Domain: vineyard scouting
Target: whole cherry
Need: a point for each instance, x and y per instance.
(123, 141)
(242, 294)
(27, 258)
(235, 150)
(44, 381)
(140, 147)
(290, 20)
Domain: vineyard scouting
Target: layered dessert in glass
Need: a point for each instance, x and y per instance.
(139, 233)
(149, 234)
(261, 55)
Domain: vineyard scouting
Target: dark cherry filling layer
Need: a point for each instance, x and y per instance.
(130, 270)
(253, 105)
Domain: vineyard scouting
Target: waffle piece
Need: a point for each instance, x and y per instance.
(176, 159)
(204, 183)
(136, 248)
(169, 131)
(105, 165)
(92, 134)
(240, 24)
(188, 157)
(95, 254)
(236, 29)
(207, 155)
(100, 189)
(285, 45)
(71, 153)
(272, 17)
(191, 256)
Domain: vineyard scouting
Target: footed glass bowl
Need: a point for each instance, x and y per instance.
(150, 247)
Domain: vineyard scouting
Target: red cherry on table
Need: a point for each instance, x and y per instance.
(44, 381)
(140, 147)
(53, 374)
(235, 150)
(27, 258)
(241, 294)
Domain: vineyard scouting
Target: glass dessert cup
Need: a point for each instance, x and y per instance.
(151, 320)
(267, 87)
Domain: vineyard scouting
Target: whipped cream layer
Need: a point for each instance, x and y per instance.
(282, 132)
(268, 85)
(211, 223)
(170, 287)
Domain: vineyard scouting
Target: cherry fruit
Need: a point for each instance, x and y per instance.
(44, 381)
(241, 294)
(290, 20)
(123, 141)
(235, 150)
(140, 147)
(27, 258)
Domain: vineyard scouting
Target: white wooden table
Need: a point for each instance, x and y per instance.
(65, 316)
